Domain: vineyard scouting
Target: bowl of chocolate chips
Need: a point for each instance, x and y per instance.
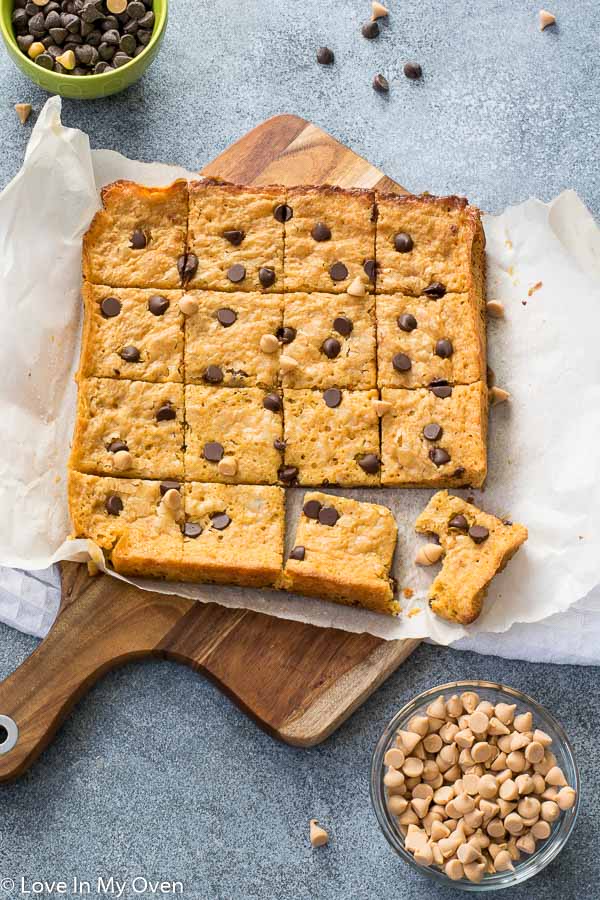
(83, 49)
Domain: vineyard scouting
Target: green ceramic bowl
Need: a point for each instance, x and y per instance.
(87, 87)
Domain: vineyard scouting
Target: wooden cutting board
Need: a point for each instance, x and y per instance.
(298, 682)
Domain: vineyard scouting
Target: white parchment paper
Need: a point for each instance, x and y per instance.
(543, 263)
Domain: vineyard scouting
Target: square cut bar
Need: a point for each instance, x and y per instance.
(223, 338)
(240, 425)
(329, 239)
(233, 534)
(129, 428)
(333, 343)
(343, 552)
(331, 444)
(124, 323)
(420, 340)
(434, 243)
(476, 545)
(435, 441)
(236, 237)
(138, 238)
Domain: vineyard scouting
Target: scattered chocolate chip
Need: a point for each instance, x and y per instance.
(403, 242)
(438, 456)
(435, 289)
(286, 334)
(458, 472)
(138, 240)
(332, 397)
(369, 463)
(328, 515)
(440, 388)
(459, 523)
(331, 348)
(234, 237)
(343, 325)
(478, 533)
(220, 521)
(298, 553)
(413, 70)
(213, 375)
(370, 30)
(407, 322)
(321, 232)
(381, 84)
(266, 276)
(433, 432)
(117, 445)
(165, 413)
(130, 354)
(325, 56)
(226, 316)
(283, 212)
(113, 505)
(236, 273)
(370, 269)
(444, 348)
(110, 307)
(288, 474)
(312, 508)
(187, 266)
(272, 402)
(169, 486)
(158, 305)
(213, 451)
(401, 362)
(192, 530)
(338, 271)
(279, 445)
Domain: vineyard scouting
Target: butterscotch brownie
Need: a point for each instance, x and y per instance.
(330, 341)
(132, 333)
(232, 339)
(235, 237)
(331, 437)
(329, 239)
(129, 428)
(343, 551)
(429, 245)
(231, 434)
(476, 545)
(233, 534)
(435, 436)
(138, 238)
(421, 340)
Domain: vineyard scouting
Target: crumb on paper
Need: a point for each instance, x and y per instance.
(535, 287)
(407, 592)
(413, 612)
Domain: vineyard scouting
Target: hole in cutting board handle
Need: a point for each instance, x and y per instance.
(9, 734)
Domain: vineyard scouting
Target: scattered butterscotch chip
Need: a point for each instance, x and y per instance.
(122, 460)
(23, 110)
(269, 343)
(318, 836)
(67, 60)
(382, 407)
(534, 287)
(546, 19)
(92, 568)
(428, 554)
(227, 466)
(287, 363)
(498, 395)
(356, 288)
(188, 306)
(378, 10)
(116, 7)
(495, 309)
(172, 500)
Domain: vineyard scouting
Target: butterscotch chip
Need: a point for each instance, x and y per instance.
(188, 305)
(318, 835)
(23, 110)
(546, 18)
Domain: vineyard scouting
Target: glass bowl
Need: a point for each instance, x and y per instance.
(547, 850)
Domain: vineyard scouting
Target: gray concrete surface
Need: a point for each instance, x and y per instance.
(156, 774)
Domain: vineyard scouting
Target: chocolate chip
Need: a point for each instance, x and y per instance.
(165, 412)
(459, 523)
(338, 271)
(288, 474)
(138, 240)
(312, 508)
(236, 273)
(401, 362)
(187, 266)
(444, 348)
(213, 451)
(433, 432)
(332, 397)
(213, 375)
(110, 307)
(169, 486)
(266, 276)
(440, 388)
(45, 61)
(192, 530)
(128, 44)
(321, 232)
(226, 316)
(369, 463)
(370, 30)
(438, 456)
(435, 289)
(407, 322)
(234, 237)
(286, 334)
(272, 402)
(370, 269)
(283, 212)
(413, 70)
(381, 84)
(325, 56)
(298, 553)
(478, 533)
(403, 242)
(331, 348)
(130, 354)
(220, 521)
(328, 515)
(343, 325)
(158, 305)
(279, 445)
(117, 445)
(113, 505)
